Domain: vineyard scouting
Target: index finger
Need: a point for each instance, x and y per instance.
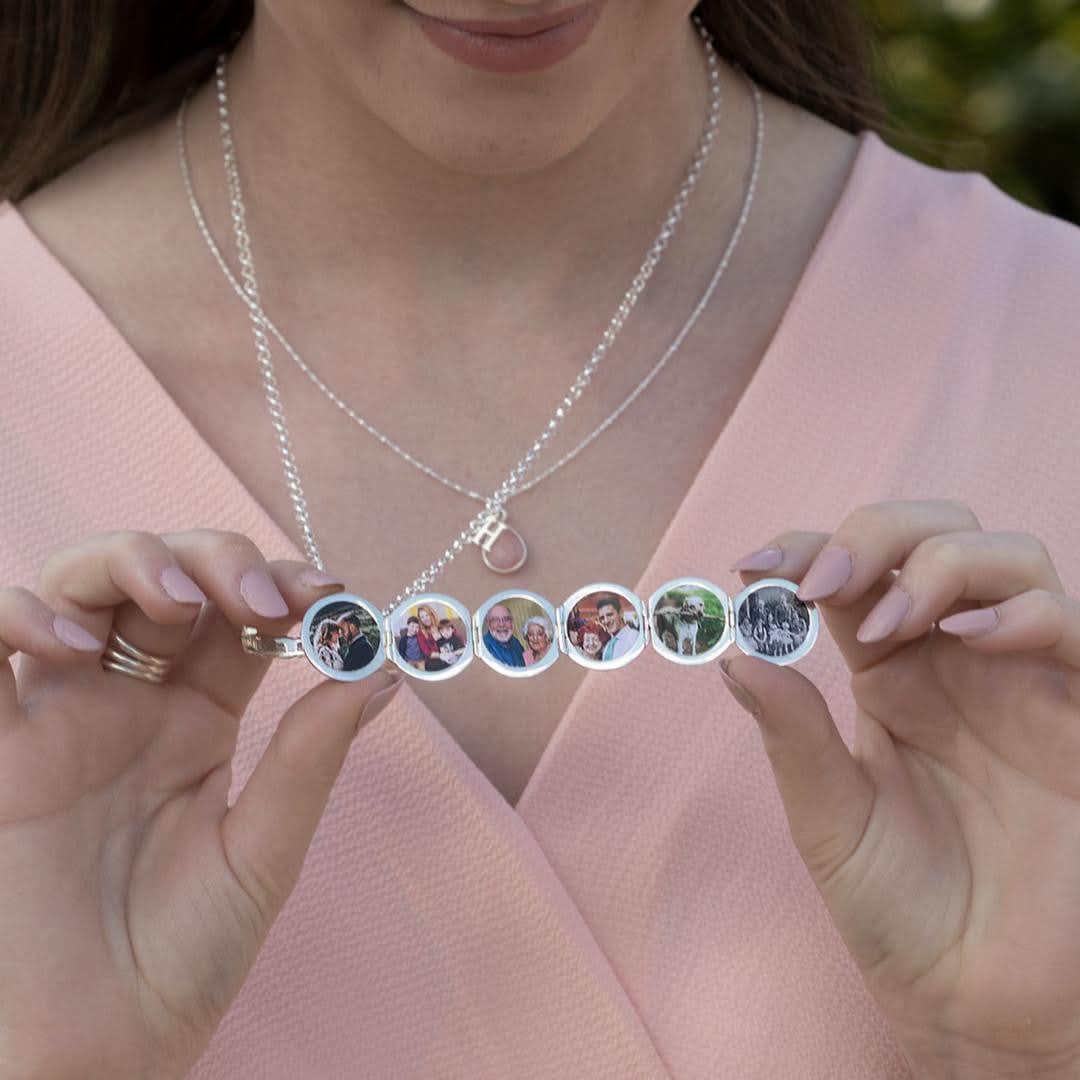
(848, 571)
(875, 539)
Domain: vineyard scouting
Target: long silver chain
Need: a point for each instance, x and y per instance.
(616, 323)
(495, 503)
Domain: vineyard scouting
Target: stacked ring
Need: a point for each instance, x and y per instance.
(120, 655)
(432, 636)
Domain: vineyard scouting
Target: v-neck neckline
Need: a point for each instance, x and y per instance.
(142, 386)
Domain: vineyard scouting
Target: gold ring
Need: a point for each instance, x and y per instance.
(120, 655)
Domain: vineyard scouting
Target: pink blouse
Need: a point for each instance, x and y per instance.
(641, 913)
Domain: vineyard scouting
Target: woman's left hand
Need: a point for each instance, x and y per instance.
(947, 845)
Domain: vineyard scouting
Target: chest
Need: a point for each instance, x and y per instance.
(378, 522)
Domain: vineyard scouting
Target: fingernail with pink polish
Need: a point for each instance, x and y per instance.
(885, 616)
(74, 636)
(828, 573)
(262, 595)
(970, 623)
(180, 587)
(316, 579)
(766, 559)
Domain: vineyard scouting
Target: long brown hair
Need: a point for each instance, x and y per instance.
(78, 73)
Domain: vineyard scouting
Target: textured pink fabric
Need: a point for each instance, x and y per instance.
(641, 913)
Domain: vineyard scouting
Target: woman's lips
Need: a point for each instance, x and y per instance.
(519, 45)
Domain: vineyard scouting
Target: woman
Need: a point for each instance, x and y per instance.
(539, 635)
(327, 644)
(593, 639)
(428, 636)
(425, 204)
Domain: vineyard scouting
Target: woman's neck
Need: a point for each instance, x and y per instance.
(334, 194)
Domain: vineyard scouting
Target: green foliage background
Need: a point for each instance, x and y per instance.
(988, 85)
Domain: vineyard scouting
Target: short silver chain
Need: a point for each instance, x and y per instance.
(495, 503)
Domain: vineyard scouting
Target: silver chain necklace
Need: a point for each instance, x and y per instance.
(489, 524)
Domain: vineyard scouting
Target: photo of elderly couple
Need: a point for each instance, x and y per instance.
(518, 633)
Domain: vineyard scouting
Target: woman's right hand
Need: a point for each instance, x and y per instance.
(133, 900)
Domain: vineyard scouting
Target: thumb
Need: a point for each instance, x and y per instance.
(267, 832)
(827, 795)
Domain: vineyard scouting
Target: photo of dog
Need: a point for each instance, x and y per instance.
(688, 618)
(678, 625)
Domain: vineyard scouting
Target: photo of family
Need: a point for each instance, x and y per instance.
(430, 636)
(344, 637)
(773, 623)
(689, 619)
(516, 633)
(603, 625)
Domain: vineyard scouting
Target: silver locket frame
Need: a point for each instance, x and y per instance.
(714, 650)
(624, 593)
(404, 665)
(811, 633)
(312, 655)
(481, 650)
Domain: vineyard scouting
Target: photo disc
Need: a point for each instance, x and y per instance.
(772, 623)
(603, 626)
(516, 633)
(689, 620)
(343, 636)
(431, 636)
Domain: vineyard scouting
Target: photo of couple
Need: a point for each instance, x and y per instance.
(427, 640)
(517, 633)
(345, 637)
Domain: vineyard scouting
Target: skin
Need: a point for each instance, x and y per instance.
(591, 646)
(538, 641)
(501, 623)
(945, 845)
(955, 818)
(961, 797)
(165, 928)
(451, 160)
(609, 619)
(339, 180)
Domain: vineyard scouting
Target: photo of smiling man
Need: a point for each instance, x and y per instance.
(622, 637)
(500, 638)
